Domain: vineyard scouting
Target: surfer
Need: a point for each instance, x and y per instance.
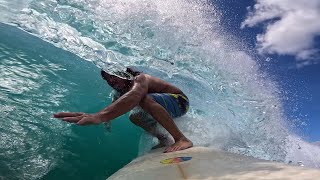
(149, 100)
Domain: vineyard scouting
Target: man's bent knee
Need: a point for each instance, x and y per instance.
(147, 103)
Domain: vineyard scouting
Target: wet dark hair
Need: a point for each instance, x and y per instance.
(123, 74)
(103, 74)
(129, 75)
(132, 71)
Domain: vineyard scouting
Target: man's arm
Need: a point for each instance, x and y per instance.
(122, 105)
(127, 101)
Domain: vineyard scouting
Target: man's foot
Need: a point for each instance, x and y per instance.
(183, 143)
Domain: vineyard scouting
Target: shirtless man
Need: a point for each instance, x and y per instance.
(154, 96)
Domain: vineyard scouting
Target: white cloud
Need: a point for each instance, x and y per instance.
(292, 26)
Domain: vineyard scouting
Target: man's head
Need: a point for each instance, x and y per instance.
(120, 81)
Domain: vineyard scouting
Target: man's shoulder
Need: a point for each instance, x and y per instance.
(141, 78)
(148, 79)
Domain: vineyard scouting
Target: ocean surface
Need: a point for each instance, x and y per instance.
(51, 53)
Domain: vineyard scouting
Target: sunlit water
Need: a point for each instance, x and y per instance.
(234, 105)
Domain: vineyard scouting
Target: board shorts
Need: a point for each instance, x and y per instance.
(175, 104)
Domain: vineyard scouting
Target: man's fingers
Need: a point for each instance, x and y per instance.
(72, 119)
(67, 114)
(75, 117)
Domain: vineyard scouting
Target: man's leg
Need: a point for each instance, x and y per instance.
(160, 114)
(150, 125)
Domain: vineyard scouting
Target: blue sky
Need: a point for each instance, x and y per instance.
(293, 55)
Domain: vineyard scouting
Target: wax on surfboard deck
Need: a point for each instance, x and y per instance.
(206, 163)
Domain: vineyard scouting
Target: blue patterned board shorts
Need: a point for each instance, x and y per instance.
(175, 104)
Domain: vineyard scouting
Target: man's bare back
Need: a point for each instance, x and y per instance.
(157, 85)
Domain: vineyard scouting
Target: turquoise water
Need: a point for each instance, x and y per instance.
(37, 80)
(50, 58)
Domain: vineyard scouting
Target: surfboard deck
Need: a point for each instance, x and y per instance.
(206, 163)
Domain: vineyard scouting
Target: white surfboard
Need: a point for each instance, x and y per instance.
(205, 163)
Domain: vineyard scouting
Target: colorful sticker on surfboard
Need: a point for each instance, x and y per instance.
(175, 160)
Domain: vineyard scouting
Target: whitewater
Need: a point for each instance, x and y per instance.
(51, 52)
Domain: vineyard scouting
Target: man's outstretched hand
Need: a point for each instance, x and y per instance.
(78, 118)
